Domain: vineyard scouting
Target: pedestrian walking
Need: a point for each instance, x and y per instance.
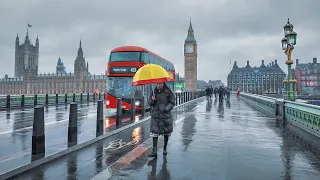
(162, 101)
(238, 92)
(208, 93)
(215, 91)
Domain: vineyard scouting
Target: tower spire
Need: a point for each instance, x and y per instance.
(190, 26)
(80, 52)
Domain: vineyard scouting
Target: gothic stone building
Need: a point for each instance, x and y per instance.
(259, 80)
(190, 61)
(28, 81)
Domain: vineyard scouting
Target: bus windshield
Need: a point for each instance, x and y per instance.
(124, 56)
(120, 87)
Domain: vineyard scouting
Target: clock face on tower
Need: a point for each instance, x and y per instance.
(189, 48)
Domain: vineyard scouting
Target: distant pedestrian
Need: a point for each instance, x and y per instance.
(208, 93)
(238, 92)
(215, 91)
(228, 92)
(162, 101)
(211, 89)
(221, 92)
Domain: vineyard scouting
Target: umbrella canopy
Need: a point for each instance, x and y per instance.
(149, 74)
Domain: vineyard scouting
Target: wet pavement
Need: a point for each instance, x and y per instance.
(16, 132)
(223, 141)
(228, 141)
(87, 162)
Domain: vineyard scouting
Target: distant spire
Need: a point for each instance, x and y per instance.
(80, 52)
(27, 38)
(190, 26)
(235, 65)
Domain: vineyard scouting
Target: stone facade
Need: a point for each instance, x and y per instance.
(308, 78)
(190, 61)
(215, 83)
(263, 79)
(28, 81)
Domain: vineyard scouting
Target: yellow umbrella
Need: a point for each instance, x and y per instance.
(149, 74)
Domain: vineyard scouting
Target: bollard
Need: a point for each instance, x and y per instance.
(176, 95)
(8, 102)
(47, 99)
(73, 126)
(180, 98)
(38, 135)
(187, 96)
(66, 98)
(74, 97)
(94, 97)
(119, 112)
(132, 109)
(22, 100)
(81, 97)
(99, 96)
(57, 99)
(88, 97)
(35, 100)
(99, 130)
(143, 107)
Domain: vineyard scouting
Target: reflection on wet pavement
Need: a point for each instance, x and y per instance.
(89, 161)
(15, 138)
(228, 140)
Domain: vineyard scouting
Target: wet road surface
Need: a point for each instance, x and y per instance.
(222, 141)
(87, 162)
(16, 132)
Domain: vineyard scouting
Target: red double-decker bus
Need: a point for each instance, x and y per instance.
(123, 64)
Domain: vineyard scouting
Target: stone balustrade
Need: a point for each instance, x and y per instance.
(302, 115)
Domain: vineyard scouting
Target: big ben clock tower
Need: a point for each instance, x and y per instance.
(190, 61)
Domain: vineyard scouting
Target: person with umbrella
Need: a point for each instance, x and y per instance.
(161, 102)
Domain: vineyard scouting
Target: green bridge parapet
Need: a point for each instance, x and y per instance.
(302, 115)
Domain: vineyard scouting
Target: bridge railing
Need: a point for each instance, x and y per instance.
(266, 103)
(302, 115)
(16, 101)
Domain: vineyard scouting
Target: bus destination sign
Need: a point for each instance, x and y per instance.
(123, 69)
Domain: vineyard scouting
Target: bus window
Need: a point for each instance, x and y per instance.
(124, 56)
(145, 57)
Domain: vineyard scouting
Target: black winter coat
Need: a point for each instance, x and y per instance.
(161, 117)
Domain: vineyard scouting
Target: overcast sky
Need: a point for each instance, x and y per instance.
(225, 30)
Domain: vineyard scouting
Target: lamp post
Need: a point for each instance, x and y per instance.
(288, 43)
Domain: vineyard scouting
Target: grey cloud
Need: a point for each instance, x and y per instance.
(226, 30)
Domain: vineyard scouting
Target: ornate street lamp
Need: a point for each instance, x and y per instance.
(288, 43)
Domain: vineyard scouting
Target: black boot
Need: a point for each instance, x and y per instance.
(154, 148)
(166, 138)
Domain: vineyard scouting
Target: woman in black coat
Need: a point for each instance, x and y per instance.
(162, 101)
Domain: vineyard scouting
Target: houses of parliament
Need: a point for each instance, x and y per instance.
(27, 80)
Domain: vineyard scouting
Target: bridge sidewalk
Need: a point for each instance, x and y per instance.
(228, 140)
(90, 160)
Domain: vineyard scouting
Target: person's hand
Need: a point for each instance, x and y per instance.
(153, 97)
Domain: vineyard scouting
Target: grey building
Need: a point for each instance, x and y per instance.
(28, 81)
(60, 69)
(308, 77)
(215, 83)
(26, 57)
(259, 80)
